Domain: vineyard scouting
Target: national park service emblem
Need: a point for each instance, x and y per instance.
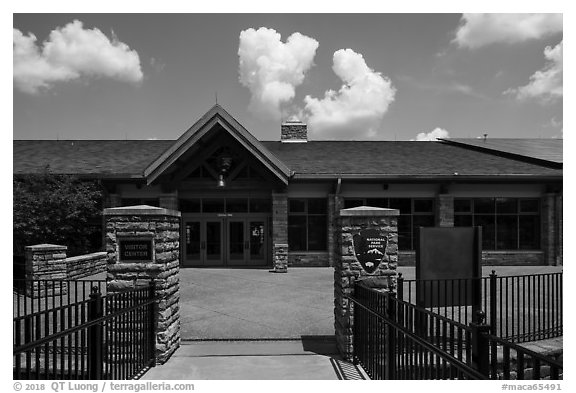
(370, 248)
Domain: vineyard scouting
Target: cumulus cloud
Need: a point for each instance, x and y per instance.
(272, 69)
(356, 110)
(478, 30)
(433, 135)
(546, 84)
(69, 53)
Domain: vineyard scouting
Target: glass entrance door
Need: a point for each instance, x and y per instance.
(225, 241)
(213, 243)
(193, 244)
(257, 242)
(236, 242)
(203, 242)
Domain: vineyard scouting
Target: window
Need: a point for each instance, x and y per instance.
(228, 205)
(307, 224)
(507, 223)
(414, 213)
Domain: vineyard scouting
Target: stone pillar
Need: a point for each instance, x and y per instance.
(155, 231)
(335, 204)
(280, 258)
(280, 232)
(380, 225)
(45, 262)
(169, 201)
(444, 210)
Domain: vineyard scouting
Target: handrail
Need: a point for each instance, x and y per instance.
(455, 362)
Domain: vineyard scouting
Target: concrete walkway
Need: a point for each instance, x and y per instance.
(293, 312)
(306, 359)
(257, 304)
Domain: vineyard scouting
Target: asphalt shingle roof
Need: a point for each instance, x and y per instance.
(542, 149)
(129, 158)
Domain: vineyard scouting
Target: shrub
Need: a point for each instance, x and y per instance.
(56, 209)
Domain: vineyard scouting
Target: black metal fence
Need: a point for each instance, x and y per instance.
(101, 337)
(31, 296)
(395, 339)
(519, 308)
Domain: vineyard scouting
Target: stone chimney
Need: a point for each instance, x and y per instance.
(293, 131)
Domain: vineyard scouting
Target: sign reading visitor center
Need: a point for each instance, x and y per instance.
(136, 250)
(369, 248)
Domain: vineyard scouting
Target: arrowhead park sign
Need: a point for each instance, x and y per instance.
(370, 248)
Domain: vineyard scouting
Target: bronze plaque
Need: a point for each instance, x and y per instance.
(370, 248)
(136, 250)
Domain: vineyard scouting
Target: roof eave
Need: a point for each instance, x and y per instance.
(216, 115)
(419, 177)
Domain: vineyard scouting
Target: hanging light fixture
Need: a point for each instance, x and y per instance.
(223, 162)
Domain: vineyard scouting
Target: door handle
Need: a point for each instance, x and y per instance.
(203, 245)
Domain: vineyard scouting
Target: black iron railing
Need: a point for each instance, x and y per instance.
(511, 361)
(519, 308)
(31, 296)
(395, 339)
(102, 337)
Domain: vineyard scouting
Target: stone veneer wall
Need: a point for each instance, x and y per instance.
(348, 270)
(45, 262)
(163, 227)
(86, 265)
(293, 131)
(280, 232)
(280, 258)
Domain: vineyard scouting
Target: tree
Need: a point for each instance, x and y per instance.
(56, 209)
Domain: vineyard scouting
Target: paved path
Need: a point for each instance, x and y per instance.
(255, 360)
(256, 304)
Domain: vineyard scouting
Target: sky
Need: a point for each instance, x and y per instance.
(377, 76)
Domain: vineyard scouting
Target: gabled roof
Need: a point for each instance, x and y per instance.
(399, 160)
(99, 158)
(547, 151)
(312, 160)
(216, 115)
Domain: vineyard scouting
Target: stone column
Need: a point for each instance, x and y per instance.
(380, 225)
(280, 232)
(156, 233)
(45, 262)
(444, 210)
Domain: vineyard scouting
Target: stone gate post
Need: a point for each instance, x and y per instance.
(359, 232)
(143, 244)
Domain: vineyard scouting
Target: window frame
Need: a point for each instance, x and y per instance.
(403, 215)
(306, 214)
(495, 214)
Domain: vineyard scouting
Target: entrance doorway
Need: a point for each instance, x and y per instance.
(226, 240)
